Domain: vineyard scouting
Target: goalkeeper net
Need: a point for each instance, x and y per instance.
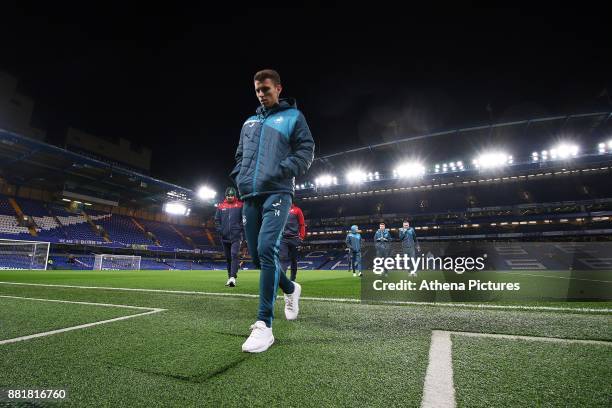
(16, 254)
(116, 262)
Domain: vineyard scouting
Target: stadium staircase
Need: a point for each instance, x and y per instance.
(145, 232)
(98, 229)
(183, 236)
(59, 223)
(20, 216)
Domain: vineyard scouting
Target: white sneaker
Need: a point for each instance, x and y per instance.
(232, 282)
(228, 282)
(260, 340)
(292, 302)
(354, 274)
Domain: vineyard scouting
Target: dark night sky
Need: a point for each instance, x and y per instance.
(180, 81)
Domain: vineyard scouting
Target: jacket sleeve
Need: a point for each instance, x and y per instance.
(402, 234)
(377, 235)
(218, 221)
(302, 229)
(302, 150)
(238, 157)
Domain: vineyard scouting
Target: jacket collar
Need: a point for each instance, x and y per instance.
(284, 103)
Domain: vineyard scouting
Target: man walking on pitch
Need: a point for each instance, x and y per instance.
(275, 146)
(353, 244)
(295, 232)
(228, 222)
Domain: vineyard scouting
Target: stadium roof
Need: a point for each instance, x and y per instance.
(523, 136)
(32, 163)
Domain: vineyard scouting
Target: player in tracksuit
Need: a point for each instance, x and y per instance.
(275, 147)
(383, 242)
(408, 238)
(383, 239)
(353, 244)
(228, 222)
(295, 231)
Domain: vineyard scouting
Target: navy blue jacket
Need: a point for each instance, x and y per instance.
(408, 237)
(382, 238)
(228, 221)
(275, 147)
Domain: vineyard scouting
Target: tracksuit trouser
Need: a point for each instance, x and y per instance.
(264, 220)
(232, 250)
(289, 254)
(355, 261)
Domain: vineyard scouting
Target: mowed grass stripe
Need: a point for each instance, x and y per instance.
(490, 372)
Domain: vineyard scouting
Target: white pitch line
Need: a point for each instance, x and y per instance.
(319, 299)
(558, 277)
(150, 310)
(439, 389)
(534, 338)
(81, 303)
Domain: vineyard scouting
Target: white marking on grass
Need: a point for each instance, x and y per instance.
(319, 299)
(81, 303)
(560, 277)
(534, 338)
(149, 310)
(439, 389)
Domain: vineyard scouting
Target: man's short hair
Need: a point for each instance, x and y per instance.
(381, 223)
(267, 73)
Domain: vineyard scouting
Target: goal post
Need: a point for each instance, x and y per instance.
(19, 254)
(116, 262)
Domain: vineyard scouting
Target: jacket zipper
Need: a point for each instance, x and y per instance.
(258, 154)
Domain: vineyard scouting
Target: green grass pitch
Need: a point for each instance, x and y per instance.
(335, 354)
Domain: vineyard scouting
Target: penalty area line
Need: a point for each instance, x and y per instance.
(438, 387)
(149, 310)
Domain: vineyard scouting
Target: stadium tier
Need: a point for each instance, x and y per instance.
(167, 235)
(124, 230)
(53, 223)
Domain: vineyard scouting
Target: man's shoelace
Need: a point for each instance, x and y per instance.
(289, 301)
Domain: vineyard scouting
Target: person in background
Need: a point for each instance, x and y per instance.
(353, 244)
(228, 222)
(293, 235)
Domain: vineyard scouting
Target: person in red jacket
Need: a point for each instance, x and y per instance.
(293, 235)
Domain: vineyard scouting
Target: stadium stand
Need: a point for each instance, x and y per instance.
(166, 235)
(526, 199)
